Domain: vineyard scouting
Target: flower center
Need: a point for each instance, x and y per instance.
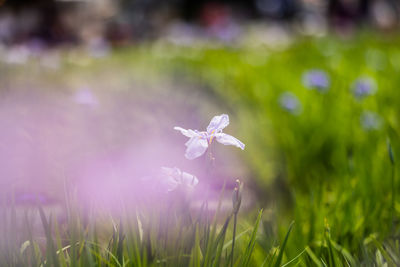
(212, 137)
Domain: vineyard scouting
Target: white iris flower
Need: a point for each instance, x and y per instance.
(199, 141)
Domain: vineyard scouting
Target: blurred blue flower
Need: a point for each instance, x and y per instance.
(316, 79)
(363, 87)
(172, 178)
(199, 141)
(290, 102)
(370, 121)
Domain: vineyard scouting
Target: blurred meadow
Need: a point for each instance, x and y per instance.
(95, 174)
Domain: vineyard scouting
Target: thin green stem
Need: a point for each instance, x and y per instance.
(233, 236)
(393, 193)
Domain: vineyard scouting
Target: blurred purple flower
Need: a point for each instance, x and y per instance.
(199, 141)
(172, 178)
(317, 79)
(364, 87)
(370, 120)
(31, 199)
(86, 97)
(290, 102)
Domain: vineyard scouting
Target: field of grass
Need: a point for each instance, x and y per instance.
(323, 157)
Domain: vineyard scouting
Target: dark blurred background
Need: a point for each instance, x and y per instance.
(99, 22)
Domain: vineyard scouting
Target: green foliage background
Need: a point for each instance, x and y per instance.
(327, 172)
(320, 168)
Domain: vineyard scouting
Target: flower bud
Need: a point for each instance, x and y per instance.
(237, 196)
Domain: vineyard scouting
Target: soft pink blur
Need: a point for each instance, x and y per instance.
(102, 149)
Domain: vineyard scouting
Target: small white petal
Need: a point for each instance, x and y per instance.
(172, 178)
(189, 180)
(227, 139)
(168, 171)
(218, 123)
(196, 147)
(169, 178)
(170, 183)
(189, 132)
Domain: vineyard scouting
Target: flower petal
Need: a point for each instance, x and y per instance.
(218, 123)
(227, 139)
(170, 171)
(189, 180)
(196, 147)
(172, 178)
(170, 183)
(189, 132)
(168, 178)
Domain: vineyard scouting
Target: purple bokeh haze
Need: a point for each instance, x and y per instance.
(102, 151)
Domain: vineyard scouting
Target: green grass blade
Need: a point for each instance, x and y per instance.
(250, 247)
(313, 257)
(282, 248)
(51, 254)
